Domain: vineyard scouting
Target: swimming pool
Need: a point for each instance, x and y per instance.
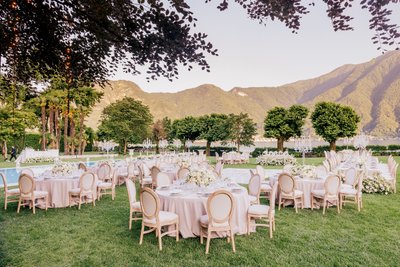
(12, 174)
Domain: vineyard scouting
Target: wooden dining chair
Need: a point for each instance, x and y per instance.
(254, 189)
(86, 189)
(154, 218)
(163, 179)
(135, 209)
(328, 195)
(10, 195)
(287, 190)
(220, 208)
(28, 194)
(264, 213)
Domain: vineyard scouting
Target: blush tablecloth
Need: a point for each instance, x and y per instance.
(58, 188)
(190, 206)
(305, 185)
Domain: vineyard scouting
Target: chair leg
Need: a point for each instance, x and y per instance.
(159, 238)
(302, 201)
(80, 201)
(279, 202)
(19, 205)
(33, 208)
(47, 202)
(312, 202)
(93, 200)
(295, 205)
(233, 241)
(337, 206)
(248, 224)
(208, 241)
(177, 231)
(201, 234)
(5, 203)
(323, 211)
(130, 219)
(271, 225)
(141, 234)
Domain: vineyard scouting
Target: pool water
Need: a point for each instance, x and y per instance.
(12, 174)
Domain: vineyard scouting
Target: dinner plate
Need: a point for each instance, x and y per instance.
(163, 188)
(176, 192)
(237, 189)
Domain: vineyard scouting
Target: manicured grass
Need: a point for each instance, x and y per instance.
(99, 236)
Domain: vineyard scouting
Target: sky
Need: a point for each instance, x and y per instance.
(252, 55)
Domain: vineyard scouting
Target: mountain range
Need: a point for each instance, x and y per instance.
(371, 88)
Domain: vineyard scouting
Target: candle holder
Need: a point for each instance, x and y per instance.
(163, 144)
(361, 141)
(188, 144)
(303, 145)
(147, 144)
(177, 144)
(107, 146)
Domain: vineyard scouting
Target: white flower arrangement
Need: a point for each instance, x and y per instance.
(305, 171)
(276, 158)
(62, 168)
(39, 159)
(376, 184)
(200, 177)
(183, 163)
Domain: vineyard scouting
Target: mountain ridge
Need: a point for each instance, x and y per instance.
(371, 88)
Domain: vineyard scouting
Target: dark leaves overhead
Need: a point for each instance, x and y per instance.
(155, 34)
(102, 35)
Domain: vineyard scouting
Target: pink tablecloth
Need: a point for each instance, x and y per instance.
(58, 191)
(305, 185)
(58, 188)
(190, 206)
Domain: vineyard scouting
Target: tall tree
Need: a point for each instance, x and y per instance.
(282, 124)
(159, 133)
(85, 98)
(242, 129)
(332, 121)
(214, 127)
(13, 125)
(186, 129)
(126, 120)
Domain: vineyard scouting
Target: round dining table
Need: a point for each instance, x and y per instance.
(191, 205)
(306, 185)
(58, 187)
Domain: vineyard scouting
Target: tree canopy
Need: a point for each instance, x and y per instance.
(126, 120)
(282, 124)
(242, 130)
(185, 129)
(214, 127)
(332, 121)
(88, 40)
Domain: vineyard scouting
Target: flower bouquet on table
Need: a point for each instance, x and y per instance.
(305, 171)
(62, 168)
(201, 177)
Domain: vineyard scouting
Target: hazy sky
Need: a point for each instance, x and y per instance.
(251, 54)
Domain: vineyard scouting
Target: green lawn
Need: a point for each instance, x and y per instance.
(99, 236)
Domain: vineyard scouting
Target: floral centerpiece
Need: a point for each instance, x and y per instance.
(201, 177)
(183, 163)
(376, 183)
(62, 168)
(306, 171)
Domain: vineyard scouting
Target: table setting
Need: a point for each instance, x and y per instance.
(188, 198)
